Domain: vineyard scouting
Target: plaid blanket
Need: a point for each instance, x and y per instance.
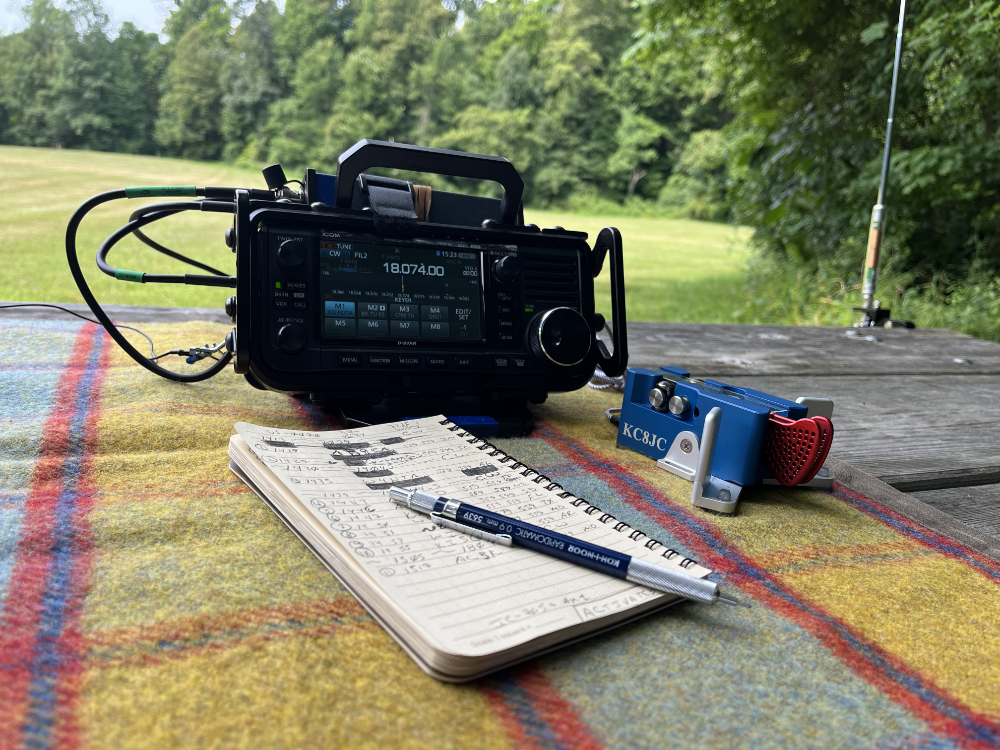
(148, 599)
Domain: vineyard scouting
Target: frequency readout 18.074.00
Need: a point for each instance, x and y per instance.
(400, 291)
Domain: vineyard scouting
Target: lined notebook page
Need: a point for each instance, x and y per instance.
(467, 596)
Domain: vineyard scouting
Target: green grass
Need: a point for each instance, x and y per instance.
(675, 269)
(45, 186)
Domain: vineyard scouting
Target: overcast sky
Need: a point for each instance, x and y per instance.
(148, 15)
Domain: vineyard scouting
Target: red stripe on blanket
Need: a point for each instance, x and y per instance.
(508, 719)
(33, 691)
(559, 714)
(941, 711)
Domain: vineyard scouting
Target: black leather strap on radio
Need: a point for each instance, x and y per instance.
(391, 203)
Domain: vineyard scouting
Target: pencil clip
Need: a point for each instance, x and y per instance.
(502, 539)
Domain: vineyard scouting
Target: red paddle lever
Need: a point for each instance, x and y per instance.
(795, 449)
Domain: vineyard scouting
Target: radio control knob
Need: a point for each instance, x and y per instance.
(292, 254)
(507, 269)
(560, 336)
(292, 338)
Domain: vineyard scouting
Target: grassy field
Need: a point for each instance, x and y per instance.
(675, 270)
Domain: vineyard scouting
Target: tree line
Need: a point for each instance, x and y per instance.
(545, 84)
(768, 114)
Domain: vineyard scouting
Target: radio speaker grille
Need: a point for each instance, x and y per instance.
(551, 280)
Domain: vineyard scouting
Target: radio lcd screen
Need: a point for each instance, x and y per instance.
(373, 291)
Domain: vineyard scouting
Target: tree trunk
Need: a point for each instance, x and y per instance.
(636, 176)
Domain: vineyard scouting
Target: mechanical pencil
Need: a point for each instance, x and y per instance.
(509, 532)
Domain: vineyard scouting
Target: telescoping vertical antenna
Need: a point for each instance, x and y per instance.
(873, 314)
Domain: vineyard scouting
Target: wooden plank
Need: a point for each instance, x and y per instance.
(916, 509)
(982, 475)
(727, 350)
(979, 507)
(906, 430)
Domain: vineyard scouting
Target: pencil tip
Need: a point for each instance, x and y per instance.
(733, 602)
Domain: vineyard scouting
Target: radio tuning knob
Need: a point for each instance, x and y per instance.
(507, 269)
(560, 336)
(291, 254)
(292, 338)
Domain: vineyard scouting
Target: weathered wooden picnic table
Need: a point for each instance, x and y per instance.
(919, 409)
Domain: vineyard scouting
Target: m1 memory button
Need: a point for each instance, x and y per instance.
(379, 361)
(408, 361)
(463, 362)
(500, 361)
(437, 361)
(350, 360)
(338, 309)
(519, 361)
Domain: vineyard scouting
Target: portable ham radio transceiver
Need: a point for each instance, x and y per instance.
(722, 437)
(385, 300)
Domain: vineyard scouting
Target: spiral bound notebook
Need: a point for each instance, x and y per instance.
(461, 607)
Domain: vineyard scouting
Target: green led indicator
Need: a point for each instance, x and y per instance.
(529, 309)
(277, 285)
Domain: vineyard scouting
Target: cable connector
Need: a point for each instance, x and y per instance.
(198, 353)
(122, 274)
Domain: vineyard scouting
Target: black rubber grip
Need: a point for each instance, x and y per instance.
(367, 154)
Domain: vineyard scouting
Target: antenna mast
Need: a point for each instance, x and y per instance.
(874, 314)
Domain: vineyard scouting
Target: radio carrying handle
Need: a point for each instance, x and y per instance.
(609, 242)
(367, 154)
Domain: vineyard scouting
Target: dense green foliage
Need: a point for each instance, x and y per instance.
(543, 83)
(770, 115)
(809, 83)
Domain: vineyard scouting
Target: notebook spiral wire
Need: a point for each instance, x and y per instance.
(579, 502)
